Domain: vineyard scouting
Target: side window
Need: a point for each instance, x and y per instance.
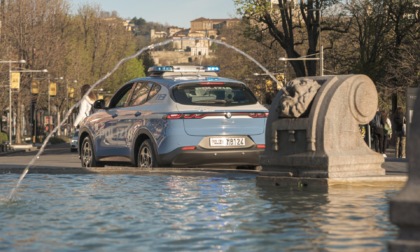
(153, 91)
(140, 93)
(121, 97)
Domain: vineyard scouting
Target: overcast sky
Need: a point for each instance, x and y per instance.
(173, 12)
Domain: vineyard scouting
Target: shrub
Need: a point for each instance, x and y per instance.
(3, 137)
(58, 140)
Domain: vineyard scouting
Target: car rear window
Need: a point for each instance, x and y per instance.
(214, 94)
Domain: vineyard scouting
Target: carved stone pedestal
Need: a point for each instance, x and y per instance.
(325, 140)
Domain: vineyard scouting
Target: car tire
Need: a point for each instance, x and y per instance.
(146, 157)
(87, 154)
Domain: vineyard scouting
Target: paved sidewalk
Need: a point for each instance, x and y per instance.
(393, 166)
(26, 148)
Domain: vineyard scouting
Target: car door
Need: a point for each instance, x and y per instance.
(131, 116)
(111, 132)
(141, 111)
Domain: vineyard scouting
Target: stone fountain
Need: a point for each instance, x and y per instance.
(313, 130)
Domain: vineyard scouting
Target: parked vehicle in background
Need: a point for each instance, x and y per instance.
(74, 141)
(183, 116)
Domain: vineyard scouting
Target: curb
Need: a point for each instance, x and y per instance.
(14, 151)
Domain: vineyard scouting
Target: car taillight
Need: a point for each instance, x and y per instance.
(258, 115)
(194, 116)
(260, 146)
(185, 116)
(186, 148)
(174, 116)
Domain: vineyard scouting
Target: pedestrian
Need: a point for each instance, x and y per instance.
(387, 131)
(86, 105)
(400, 133)
(377, 125)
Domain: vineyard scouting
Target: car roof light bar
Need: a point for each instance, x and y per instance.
(183, 69)
(160, 69)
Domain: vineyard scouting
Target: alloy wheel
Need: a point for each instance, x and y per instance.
(146, 157)
(86, 153)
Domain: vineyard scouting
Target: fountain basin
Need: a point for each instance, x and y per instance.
(199, 210)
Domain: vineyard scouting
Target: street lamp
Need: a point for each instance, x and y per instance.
(304, 58)
(300, 59)
(32, 105)
(10, 92)
(31, 71)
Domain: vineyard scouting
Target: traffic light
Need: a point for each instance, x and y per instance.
(281, 81)
(70, 92)
(14, 80)
(35, 87)
(268, 83)
(280, 77)
(52, 89)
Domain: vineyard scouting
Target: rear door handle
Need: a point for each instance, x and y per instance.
(138, 113)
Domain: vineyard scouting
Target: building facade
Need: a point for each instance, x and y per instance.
(200, 28)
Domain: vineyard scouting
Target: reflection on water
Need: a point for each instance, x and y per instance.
(226, 212)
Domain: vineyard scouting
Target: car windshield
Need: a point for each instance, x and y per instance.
(214, 94)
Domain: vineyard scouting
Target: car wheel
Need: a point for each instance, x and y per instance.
(87, 155)
(146, 157)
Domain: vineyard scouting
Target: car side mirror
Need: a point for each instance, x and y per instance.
(99, 104)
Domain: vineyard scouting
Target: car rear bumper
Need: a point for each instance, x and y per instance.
(202, 157)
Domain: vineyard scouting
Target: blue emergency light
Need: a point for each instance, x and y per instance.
(212, 69)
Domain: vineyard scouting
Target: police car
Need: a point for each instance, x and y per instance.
(180, 116)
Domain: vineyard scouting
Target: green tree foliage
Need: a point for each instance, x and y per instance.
(76, 49)
(147, 59)
(139, 22)
(3, 137)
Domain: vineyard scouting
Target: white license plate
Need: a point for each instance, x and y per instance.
(227, 141)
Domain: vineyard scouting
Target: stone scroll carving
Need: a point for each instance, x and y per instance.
(313, 128)
(297, 97)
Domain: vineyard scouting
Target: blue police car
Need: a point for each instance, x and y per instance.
(180, 116)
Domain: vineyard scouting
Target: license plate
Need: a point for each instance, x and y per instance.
(227, 141)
